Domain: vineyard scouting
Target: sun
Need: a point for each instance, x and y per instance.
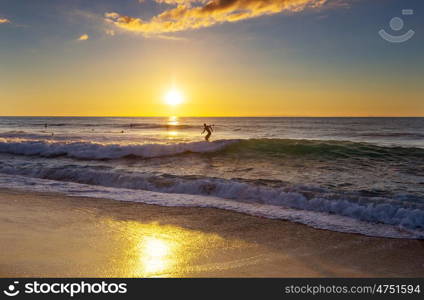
(174, 97)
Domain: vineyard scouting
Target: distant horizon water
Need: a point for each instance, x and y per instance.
(212, 116)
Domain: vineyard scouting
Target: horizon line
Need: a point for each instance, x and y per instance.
(167, 116)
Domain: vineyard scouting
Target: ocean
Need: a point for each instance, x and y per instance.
(357, 175)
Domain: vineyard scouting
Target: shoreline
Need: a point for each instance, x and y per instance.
(53, 235)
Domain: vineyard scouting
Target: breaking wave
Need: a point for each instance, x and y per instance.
(240, 147)
(97, 151)
(403, 211)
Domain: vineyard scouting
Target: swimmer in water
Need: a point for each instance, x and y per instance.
(209, 129)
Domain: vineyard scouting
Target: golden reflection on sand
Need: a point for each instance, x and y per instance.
(56, 236)
(155, 255)
(154, 250)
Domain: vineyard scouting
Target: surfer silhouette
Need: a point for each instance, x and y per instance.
(208, 129)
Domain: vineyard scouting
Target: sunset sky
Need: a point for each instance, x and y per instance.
(222, 57)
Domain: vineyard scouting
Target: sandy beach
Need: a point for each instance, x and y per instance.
(55, 235)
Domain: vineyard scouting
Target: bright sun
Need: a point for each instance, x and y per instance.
(173, 97)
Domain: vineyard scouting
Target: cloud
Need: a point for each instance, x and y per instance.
(83, 37)
(4, 20)
(172, 2)
(194, 14)
(168, 37)
(110, 32)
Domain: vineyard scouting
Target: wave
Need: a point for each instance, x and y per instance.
(413, 135)
(322, 148)
(241, 148)
(20, 134)
(310, 218)
(91, 150)
(400, 210)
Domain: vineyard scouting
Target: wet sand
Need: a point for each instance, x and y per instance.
(58, 236)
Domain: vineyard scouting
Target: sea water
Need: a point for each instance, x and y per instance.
(360, 175)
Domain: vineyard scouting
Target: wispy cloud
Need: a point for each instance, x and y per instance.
(194, 14)
(4, 20)
(168, 37)
(83, 37)
(110, 32)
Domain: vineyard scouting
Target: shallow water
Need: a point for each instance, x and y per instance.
(366, 169)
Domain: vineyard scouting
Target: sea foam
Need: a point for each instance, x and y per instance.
(311, 218)
(91, 150)
(83, 149)
(392, 211)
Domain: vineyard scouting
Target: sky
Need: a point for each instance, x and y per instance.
(224, 57)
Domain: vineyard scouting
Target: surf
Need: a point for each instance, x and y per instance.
(316, 219)
(273, 148)
(398, 210)
(99, 151)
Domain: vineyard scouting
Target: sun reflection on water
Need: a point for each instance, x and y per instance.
(172, 127)
(155, 255)
(156, 250)
(172, 133)
(173, 121)
(153, 250)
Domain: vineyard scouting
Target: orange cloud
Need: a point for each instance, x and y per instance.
(171, 2)
(194, 14)
(4, 20)
(83, 37)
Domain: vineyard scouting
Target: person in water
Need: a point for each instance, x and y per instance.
(209, 129)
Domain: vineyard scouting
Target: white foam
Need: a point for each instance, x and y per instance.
(91, 150)
(371, 209)
(314, 219)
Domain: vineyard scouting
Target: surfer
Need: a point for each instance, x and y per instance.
(209, 129)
